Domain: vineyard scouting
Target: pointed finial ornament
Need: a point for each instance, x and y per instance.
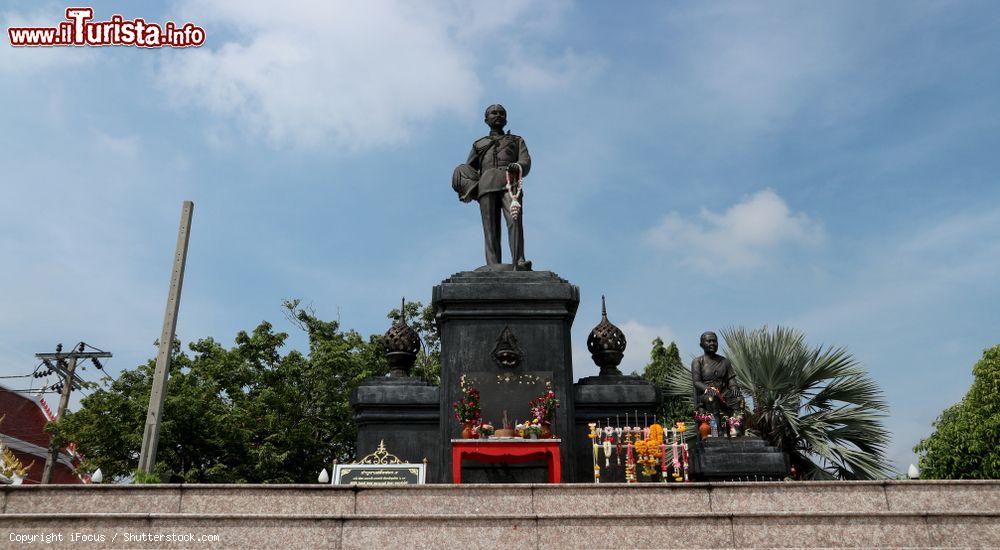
(606, 344)
(401, 345)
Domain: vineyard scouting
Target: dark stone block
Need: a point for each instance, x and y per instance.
(404, 412)
(737, 459)
(598, 399)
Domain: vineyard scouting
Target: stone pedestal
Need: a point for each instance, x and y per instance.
(737, 459)
(404, 412)
(473, 310)
(599, 398)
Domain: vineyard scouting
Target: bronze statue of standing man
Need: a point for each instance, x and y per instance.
(492, 175)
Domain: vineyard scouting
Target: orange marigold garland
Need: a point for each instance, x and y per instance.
(649, 450)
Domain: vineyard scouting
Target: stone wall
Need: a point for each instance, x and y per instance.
(783, 514)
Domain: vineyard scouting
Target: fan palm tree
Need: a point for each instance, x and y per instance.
(816, 404)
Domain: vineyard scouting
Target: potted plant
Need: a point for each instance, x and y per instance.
(533, 430)
(467, 409)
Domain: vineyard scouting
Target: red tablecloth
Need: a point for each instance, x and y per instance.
(506, 451)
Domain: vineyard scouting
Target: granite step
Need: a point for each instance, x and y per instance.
(641, 530)
(740, 515)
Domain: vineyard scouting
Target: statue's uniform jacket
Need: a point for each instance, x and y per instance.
(704, 372)
(491, 160)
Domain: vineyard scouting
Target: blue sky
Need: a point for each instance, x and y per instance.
(828, 166)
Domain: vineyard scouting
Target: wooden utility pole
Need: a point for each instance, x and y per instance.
(151, 433)
(65, 366)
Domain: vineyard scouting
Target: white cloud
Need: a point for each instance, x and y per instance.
(320, 73)
(743, 236)
(538, 73)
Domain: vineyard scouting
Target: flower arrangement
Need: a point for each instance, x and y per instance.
(532, 428)
(734, 422)
(543, 408)
(467, 407)
(485, 430)
(703, 418)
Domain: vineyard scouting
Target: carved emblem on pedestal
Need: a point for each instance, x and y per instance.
(507, 353)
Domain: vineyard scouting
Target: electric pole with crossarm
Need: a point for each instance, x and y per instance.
(64, 365)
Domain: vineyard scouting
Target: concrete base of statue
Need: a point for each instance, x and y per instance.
(404, 413)
(508, 332)
(737, 459)
(603, 398)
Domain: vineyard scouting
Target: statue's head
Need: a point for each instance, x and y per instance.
(709, 342)
(496, 117)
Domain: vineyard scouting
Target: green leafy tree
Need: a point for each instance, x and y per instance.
(664, 362)
(966, 440)
(240, 414)
(817, 404)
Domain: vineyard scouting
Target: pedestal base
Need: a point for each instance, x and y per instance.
(404, 412)
(509, 333)
(600, 398)
(737, 459)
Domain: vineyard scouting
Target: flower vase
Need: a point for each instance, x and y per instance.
(705, 429)
(546, 432)
(467, 430)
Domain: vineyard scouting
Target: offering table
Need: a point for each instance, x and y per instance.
(506, 451)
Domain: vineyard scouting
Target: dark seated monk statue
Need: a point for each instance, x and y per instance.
(715, 390)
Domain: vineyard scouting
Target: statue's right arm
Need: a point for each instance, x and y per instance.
(523, 158)
(473, 158)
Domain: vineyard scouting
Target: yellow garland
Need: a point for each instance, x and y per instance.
(649, 449)
(656, 434)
